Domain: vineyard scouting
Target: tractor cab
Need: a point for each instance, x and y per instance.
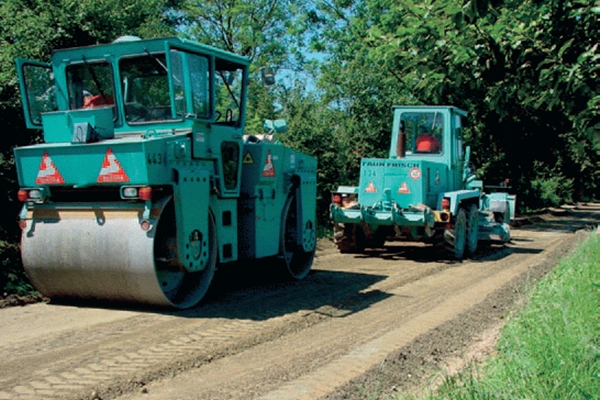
(432, 134)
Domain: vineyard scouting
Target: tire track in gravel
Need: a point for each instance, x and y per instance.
(74, 363)
(314, 362)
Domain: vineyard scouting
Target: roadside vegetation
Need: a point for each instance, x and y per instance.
(551, 348)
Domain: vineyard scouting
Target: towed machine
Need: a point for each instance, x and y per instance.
(426, 190)
(146, 180)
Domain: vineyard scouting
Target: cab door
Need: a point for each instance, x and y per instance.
(38, 90)
(211, 91)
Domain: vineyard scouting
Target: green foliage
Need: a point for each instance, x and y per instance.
(551, 349)
(33, 29)
(312, 129)
(550, 192)
(12, 279)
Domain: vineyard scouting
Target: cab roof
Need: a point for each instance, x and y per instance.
(131, 45)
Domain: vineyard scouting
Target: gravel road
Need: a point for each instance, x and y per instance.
(359, 326)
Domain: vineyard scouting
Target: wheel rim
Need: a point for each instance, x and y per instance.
(296, 261)
(183, 289)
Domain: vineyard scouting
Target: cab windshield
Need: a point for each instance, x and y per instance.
(145, 86)
(424, 132)
(90, 85)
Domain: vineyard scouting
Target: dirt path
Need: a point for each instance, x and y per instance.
(358, 325)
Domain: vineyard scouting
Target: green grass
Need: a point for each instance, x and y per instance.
(551, 348)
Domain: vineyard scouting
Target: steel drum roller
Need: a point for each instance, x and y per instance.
(104, 254)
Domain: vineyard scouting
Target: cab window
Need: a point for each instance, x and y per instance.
(145, 86)
(90, 85)
(196, 104)
(40, 89)
(229, 82)
(424, 132)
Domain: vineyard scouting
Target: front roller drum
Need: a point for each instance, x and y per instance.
(103, 254)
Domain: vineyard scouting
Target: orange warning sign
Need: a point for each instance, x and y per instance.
(48, 173)
(370, 188)
(404, 188)
(111, 170)
(269, 169)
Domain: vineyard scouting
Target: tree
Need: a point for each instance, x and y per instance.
(257, 29)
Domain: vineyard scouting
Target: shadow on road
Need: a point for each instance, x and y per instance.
(255, 292)
(248, 294)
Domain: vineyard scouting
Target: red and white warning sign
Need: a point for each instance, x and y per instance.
(404, 188)
(415, 173)
(370, 188)
(269, 169)
(48, 173)
(111, 170)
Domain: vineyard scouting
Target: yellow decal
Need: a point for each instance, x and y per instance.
(247, 160)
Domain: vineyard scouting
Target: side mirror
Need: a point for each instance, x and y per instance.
(275, 126)
(268, 76)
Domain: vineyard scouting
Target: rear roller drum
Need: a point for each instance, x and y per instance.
(296, 261)
(182, 288)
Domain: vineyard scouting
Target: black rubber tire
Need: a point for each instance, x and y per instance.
(456, 237)
(472, 229)
(349, 238)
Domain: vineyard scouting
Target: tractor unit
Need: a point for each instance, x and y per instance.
(146, 181)
(426, 191)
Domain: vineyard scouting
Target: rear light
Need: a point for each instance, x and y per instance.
(337, 199)
(34, 195)
(145, 193)
(129, 192)
(445, 203)
(23, 195)
(136, 193)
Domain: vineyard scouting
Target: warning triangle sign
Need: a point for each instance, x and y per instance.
(269, 169)
(404, 188)
(48, 173)
(370, 188)
(111, 170)
(247, 160)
